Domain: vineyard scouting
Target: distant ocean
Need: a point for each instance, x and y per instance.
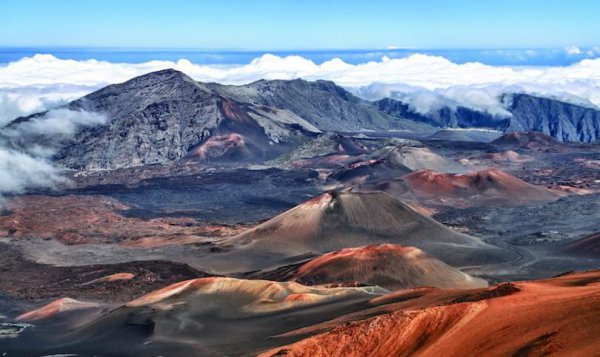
(510, 57)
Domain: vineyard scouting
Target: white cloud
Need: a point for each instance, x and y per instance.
(20, 171)
(573, 50)
(593, 52)
(25, 149)
(36, 82)
(421, 100)
(56, 123)
(28, 99)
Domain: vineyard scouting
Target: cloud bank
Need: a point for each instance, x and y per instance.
(25, 149)
(44, 81)
(24, 100)
(20, 171)
(56, 124)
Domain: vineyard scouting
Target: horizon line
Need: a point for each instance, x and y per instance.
(250, 50)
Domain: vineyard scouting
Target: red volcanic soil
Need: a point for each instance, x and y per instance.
(200, 316)
(97, 219)
(220, 146)
(537, 141)
(251, 297)
(486, 187)
(529, 140)
(557, 316)
(387, 265)
(337, 220)
(54, 308)
(113, 277)
(212, 317)
(233, 111)
(588, 246)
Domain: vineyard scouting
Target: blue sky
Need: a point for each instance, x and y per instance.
(284, 24)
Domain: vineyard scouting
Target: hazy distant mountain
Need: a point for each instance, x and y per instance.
(562, 121)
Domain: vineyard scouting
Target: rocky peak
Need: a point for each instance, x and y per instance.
(141, 92)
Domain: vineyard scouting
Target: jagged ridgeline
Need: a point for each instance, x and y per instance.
(166, 116)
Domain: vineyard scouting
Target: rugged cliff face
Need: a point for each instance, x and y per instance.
(562, 121)
(445, 117)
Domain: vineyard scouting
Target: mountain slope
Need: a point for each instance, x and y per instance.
(444, 117)
(166, 116)
(480, 188)
(588, 246)
(198, 317)
(554, 317)
(387, 163)
(323, 103)
(563, 121)
(390, 266)
(335, 221)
